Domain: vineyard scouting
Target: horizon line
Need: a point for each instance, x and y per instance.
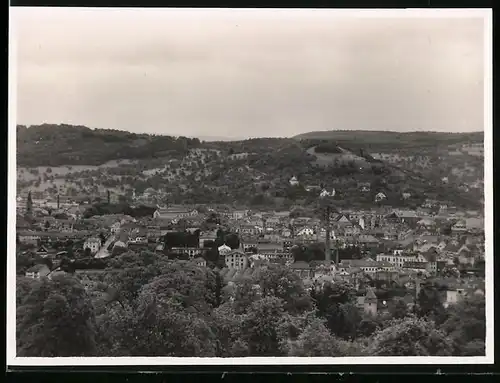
(218, 138)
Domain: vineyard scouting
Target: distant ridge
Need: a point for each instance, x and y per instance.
(218, 138)
(350, 134)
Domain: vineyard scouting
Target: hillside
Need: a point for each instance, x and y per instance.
(256, 172)
(392, 141)
(54, 145)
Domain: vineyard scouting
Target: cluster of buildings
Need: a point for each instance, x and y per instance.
(396, 246)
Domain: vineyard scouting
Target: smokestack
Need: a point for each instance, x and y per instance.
(58, 202)
(327, 239)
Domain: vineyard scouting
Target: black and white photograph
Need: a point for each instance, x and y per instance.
(249, 186)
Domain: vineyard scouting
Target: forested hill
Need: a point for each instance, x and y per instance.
(194, 170)
(53, 145)
(385, 140)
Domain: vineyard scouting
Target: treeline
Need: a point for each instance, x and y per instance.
(148, 306)
(55, 145)
(379, 140)
(328, 147)
(103, 208)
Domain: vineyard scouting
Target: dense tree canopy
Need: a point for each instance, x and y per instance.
(55, 318)
(411, 337)
(146, 305)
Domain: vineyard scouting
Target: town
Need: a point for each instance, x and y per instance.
(384, 253)
(273, 185)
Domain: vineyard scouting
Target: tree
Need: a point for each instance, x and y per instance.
(229, 329)
(466, 326)
(367, 326)
(314, 341)
(232, 240)
(429, 302)
(398, 308)
(158, 328)
(335, 304)
(23, 288)
(282, 283)
(56, 319)
(102, 237)
(262, 327)
(410, 336)
(128, 273)
(29, 204)
(87, 253)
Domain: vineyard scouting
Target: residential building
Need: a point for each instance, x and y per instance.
(207, 236)
(380, 197)
(174, 213)
(306, 232)
(42, 251)
(459, 227)
(323, 268)
(303, 269)
(92, 243)
(115, 227)
(398, 258)
(28, 237)
(239, 214)
(191, 252)
(370, 303)
(200, 262)
(248, 244)
(269, 247)
(236, 260)
(224, 250)
(293, 181)
(453, 295)
(38, 271)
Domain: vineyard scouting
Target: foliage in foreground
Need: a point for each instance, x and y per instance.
(146, 306)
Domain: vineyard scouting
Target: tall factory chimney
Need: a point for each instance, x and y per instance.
(327, 239)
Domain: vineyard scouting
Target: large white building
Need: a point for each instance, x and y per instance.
(224, 250)
(236, 260)
(92, 243)
(398, 258)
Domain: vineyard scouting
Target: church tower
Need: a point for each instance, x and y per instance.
(29, 204)
(370, 304)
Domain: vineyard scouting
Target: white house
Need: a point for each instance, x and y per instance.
(326, 193)
(37, 271)
(29, 238)
(224, 250)
(306, 232)
(115, 228)
(370, 303)
(207, 236)
(236, 260)
(92, 243)
(324, 268)
(380, 197)
(459, 227)
(258, 259)
(200, 262)
(174, 213)
(453, 296)
(293, 181)
(239, 214)
(191, 252)
(397, 259)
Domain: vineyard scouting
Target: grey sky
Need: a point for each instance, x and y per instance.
(247, 73)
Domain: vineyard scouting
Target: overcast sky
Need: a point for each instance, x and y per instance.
(247, 73)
